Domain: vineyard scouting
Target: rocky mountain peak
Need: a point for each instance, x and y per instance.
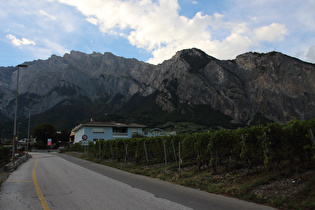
(195, 58)
(190, 52)
(273, 85)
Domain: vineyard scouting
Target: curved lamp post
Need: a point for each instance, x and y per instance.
(15, 108)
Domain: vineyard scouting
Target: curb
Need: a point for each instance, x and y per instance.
(14, 164)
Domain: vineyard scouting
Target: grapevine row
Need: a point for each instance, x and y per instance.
(270, 146)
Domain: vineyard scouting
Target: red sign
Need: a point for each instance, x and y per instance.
(84, 137)
(49, 143)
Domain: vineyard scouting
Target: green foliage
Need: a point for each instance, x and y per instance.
(40, 145)
(64, 135)
(4, 154)
(273, 143)
(77, 147)
(252, 147)
(139, 109)
(137, 135)
(259, 119)
(270, 145)
(43, 132)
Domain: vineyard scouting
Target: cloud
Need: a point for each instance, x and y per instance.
(310, 56)
(47, 15)
(157, 27)
(20, 42)
(154, 27)
(46, 48)
(40, 28)
(270, 33)
(53, 46)
(92, 20)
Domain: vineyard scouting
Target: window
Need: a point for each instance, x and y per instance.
(98, 130)
(120, 130)
(134, 131)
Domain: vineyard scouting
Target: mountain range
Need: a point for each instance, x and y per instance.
(192, 86)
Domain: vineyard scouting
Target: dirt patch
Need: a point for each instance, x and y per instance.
(286, 188)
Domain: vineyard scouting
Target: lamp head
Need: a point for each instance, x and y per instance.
(22, 65)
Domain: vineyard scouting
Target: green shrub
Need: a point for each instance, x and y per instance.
(4, 154)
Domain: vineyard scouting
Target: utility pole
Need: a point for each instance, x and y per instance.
(28, 130)
(15, 110)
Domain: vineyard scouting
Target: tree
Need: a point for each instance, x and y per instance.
(64, 135)
(43, 132)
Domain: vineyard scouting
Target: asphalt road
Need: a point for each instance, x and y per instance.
(57, 181)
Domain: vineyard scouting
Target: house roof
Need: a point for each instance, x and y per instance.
(107, 124)
(157, 129)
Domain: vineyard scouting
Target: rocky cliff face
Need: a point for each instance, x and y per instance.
(276, 86)
(279, 87)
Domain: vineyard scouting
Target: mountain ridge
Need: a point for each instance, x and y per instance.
(274, 85)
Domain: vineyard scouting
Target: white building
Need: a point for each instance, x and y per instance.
(93, 131)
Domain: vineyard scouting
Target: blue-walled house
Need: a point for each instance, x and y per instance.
(93, 131)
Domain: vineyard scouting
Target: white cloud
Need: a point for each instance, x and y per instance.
(310, 56)
(158, 28)
(19, 42)
(53, 46)
(47, 15)
(92, 20)
(154, 27)
(46, 48)
(271, 33)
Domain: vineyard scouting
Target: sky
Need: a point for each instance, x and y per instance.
(154, 30)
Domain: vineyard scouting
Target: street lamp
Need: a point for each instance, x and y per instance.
(15, 108)
(29, 126)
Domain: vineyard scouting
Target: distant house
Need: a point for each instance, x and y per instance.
(157, 132)
(105, 130)
(22, 142)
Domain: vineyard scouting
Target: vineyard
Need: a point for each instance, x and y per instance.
(272, 146)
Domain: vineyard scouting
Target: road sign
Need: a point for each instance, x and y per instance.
(49, 142)
(84, 137)
(84, 143)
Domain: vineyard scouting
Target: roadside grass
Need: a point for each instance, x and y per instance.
(260, 187)
(307, 196)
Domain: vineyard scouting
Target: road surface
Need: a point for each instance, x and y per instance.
(57, 181)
